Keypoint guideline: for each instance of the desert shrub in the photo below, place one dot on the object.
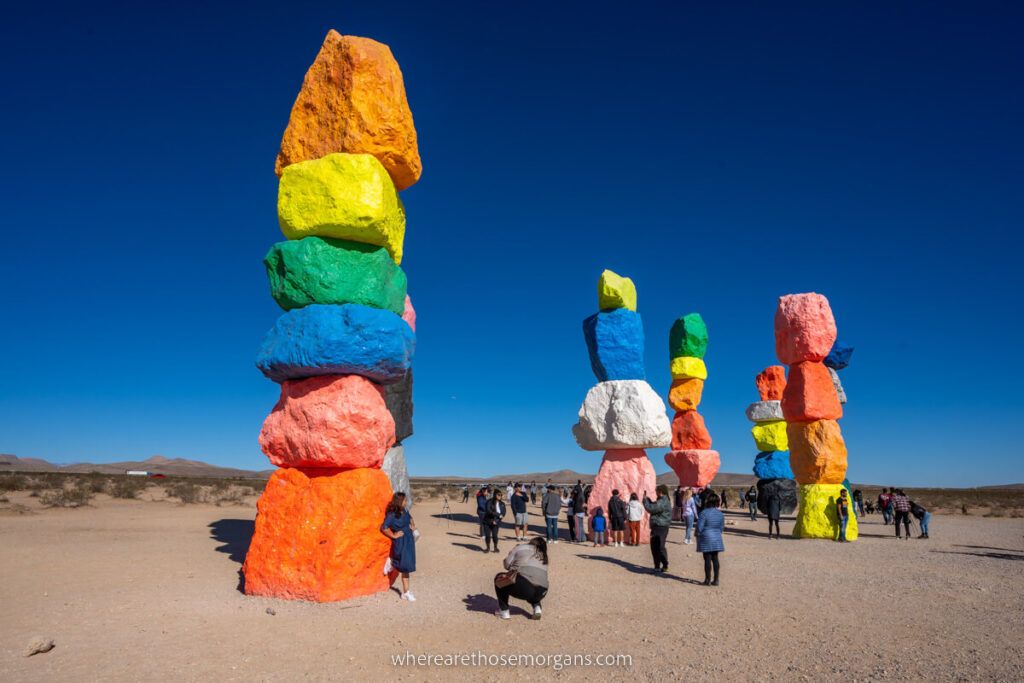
(4, 499)
(185, 491)
(219, 486)
(228, 497)
(67, 497)
(128, 487)
(95, 484)
(964, 510)
(13, 482)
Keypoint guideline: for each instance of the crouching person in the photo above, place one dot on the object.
(526, 577)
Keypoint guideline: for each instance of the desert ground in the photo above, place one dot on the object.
(148, 588)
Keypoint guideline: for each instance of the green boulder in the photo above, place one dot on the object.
(688, 337)
(323, 270)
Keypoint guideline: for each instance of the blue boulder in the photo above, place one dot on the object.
(839, 357)
(774, 465)
(326, 339)
(615, 340)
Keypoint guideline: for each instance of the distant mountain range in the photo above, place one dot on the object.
(179, 467)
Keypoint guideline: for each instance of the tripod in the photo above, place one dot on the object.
(446, 511)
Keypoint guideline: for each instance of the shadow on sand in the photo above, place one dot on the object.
(992, 555)
(235, 535)
(638, 569)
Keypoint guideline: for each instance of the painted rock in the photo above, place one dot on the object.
(398, 398)
(622, 414)
(346, 196)
(321, 270)
(337, 340)
(398, 474)
(785, 489)
(685, 394)
(337, 421)
(353, 100)
(817, 452)
(770, 436)
(629, 471)
(771, 383)
(804, 328)
(839, 357)
(810, 394)
(688, 367)
(764, 411)
(773, 465)
(817, 516)
(317, 536)
(838, 385)
(615, 291)
(689, 432)
(695, 468)
(409, 313)
(688, 337)
(615, 340)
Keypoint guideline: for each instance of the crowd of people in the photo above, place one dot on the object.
(616, 522)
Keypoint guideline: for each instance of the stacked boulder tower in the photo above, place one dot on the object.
(621, 415)
(771, 466)
(691, 456)
(805, 332)
(342, 349)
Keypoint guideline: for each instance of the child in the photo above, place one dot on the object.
(634, 513)
(597, 525)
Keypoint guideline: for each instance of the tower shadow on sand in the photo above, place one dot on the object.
(235, 535)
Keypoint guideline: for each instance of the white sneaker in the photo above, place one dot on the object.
(387, 566)
(409, 596)
(502, 614)
(536, 612)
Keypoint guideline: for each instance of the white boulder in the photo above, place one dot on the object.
(838, 385)
(394, 466)
(624, 413)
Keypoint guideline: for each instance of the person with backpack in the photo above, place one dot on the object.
(492, 518)
(617, 518)
(551, 505)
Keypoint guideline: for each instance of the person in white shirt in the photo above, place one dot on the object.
(634, 513)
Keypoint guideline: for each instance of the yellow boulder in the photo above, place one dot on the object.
(770, 436)
(615, 291)
(688, 367)
(346, 196)
(817, 516)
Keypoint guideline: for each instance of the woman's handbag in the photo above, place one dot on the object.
(505, 579)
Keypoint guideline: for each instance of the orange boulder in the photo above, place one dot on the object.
(771, 383)
(810, 394)
(689, 432)
(353, 100)
(685, 394)
(318, 536)
(329, 421)
(817, 452)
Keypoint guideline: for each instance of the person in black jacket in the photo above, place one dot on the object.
(481, 508)
(492, 519)
(520, 518)
(617, 518)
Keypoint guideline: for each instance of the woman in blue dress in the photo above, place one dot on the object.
(399, 527)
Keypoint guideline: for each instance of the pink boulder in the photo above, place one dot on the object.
(694, 467)
(329, 421)
(804, 328)
(630, 471)
(409, 314)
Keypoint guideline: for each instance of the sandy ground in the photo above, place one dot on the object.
(134, 590)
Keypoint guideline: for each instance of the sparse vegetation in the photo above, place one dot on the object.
(126, 487)
(69, 496)
(13, 482)
(185, 491)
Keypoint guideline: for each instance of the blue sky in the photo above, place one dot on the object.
(719, 154)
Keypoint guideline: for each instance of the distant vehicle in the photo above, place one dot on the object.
(158, 476)
(137, 473)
